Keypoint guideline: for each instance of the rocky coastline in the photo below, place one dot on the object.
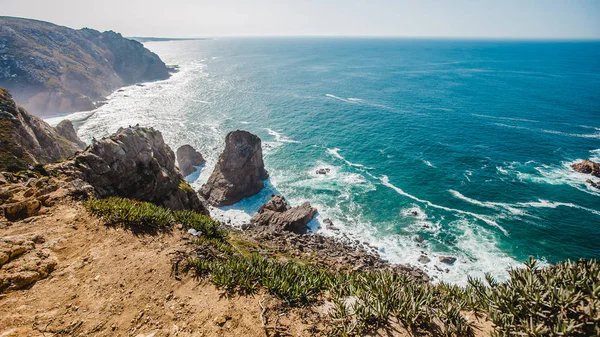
(136, 163)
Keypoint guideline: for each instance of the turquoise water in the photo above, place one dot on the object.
(466, 143)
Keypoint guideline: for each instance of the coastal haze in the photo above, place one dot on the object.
(465, 145)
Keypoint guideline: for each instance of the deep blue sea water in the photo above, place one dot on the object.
(466, 143)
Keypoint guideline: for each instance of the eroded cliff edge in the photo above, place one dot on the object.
(50, 68)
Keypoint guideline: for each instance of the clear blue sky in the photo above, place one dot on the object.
(548, 19)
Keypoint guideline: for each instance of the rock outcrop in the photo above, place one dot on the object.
(278, 215)
(587, 167)
(26, 139)
(51, 68)
(187, 158)
(240, 171)
(23, 261)
(136, 163)
(66, 129)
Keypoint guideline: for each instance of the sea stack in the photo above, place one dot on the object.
(66, 129)
(188, 158)
(240, 171)
(278, 215)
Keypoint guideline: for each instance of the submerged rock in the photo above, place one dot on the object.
(587, 167)
(593, 184)
(280, 216)
(136, 163)
(240, 171)
(323, 170)
(187, 158)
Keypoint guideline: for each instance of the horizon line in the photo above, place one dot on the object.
(207, 37)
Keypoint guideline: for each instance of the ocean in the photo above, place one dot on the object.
(465, 143)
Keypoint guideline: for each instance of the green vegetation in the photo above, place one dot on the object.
(183, 185)
(140, 215)
(559, 300)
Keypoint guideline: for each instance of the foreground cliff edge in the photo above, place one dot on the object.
(53, 69)
(79, 256)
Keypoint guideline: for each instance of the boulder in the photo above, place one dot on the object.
(587, 167)
(187, 158)
(66, 129)
(21, 209)
(447, 259)
(240, 171)
(424, 259)
(278, 215)
(323, 170)
(136, 163)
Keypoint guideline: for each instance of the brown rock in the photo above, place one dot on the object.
(279, 215)
(593, 184)
(22, 262)
(447, 259)
(21, 210)
(587, 167)
(240, 171)
(66, 129)
(187, 158)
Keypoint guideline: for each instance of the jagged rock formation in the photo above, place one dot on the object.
(187, 158)
(26, 139)
(136, 163)
(278, 215)
(66, 129)
(240, 171)
(587, 167)
(51, 68)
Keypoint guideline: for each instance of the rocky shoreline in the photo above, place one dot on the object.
(136, 163)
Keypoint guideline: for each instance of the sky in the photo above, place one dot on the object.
(516, 19)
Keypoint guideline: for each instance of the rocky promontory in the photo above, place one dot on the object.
(27, 140)
(187, 158)
(50, 68)
(239, 172)
(135, 163)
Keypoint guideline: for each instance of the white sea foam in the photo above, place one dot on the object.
(279, 137)
(385, 181)
(555, 132)
(489, 204)
(336, 153)
(554, 204)
(347, 100)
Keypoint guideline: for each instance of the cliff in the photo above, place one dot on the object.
(51, 68)
(26, 139)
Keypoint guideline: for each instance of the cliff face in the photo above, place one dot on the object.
(51, 68)
(26, 139)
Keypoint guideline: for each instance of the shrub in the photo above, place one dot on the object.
(136, 214)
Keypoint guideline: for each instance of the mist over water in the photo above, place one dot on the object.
(465, 143)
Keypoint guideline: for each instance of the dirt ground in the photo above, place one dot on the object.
(112, 282)
(96, 280)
